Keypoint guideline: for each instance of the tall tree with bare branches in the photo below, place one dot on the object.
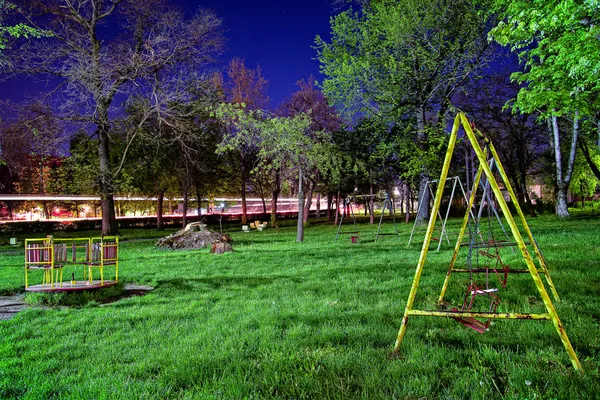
(101, 51)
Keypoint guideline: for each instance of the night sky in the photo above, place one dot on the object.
(277, 35)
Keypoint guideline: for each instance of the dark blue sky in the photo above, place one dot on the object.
(277, 35)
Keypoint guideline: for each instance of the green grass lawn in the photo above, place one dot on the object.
(313, 320)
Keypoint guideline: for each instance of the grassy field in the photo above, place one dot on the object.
(278, 319)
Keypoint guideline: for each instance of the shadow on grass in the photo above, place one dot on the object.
(218, 282)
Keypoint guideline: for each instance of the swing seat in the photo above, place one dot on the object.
(472, 323)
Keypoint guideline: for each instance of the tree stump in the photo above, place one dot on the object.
(220, 248)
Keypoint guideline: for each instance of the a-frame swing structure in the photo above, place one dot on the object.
(348, 204)
(387, 205)
(455, 180)
(469, 317)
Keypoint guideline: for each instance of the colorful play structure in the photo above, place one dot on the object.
(79, 256)
(481, 300)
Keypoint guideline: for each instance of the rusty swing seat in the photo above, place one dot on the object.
(470, 322)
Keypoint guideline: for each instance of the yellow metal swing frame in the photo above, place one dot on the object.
(534, 271)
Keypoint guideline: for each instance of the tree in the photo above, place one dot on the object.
(246, 87)
(395, 59)
(181, 139)
(31, 146)
(94, 69)
(283, 142)
(518, 138)
(368, 149)
(557, 42)
(309, 100)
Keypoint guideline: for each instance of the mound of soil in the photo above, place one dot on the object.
(196, 236)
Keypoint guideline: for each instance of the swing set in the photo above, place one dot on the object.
(387, 205)
(478, 290)
(349, 205)
(456, 182)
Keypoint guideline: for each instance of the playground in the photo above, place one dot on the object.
(319, 319)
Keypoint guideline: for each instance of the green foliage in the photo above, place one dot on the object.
(558, 43)
(16, 30)
(584, 182)
(281, 141)
(395, 56)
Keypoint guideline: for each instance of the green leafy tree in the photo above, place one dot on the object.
(283, 142)
(309, 100)
(557, 42)
(403, 60)
(584, 183)
(245, 87)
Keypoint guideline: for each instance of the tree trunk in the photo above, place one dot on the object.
(107, 202)
(588, 158)
(243, 193)
(184, 219)
(264, 204)
(300, 233)
(275, 197)
(308, 202)
(408, 204)
(563, 181)
(562, 209)
(337, 208)
(371, 205)
(160, 224)
(329, 205)
(423, 212)
(318, 205)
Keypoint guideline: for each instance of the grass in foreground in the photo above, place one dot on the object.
(313, 320)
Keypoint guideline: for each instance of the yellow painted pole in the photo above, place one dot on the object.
(51, 251)
(490, 315)
(117, 259)
(461, 233)
(517, 235)
(429, 233)
(513, 197)
(26, 265)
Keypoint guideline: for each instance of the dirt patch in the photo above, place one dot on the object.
(196, 236)
(130, 290)
(11, 305)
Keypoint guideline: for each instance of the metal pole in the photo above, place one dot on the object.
(428, 235)
(447, 213)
